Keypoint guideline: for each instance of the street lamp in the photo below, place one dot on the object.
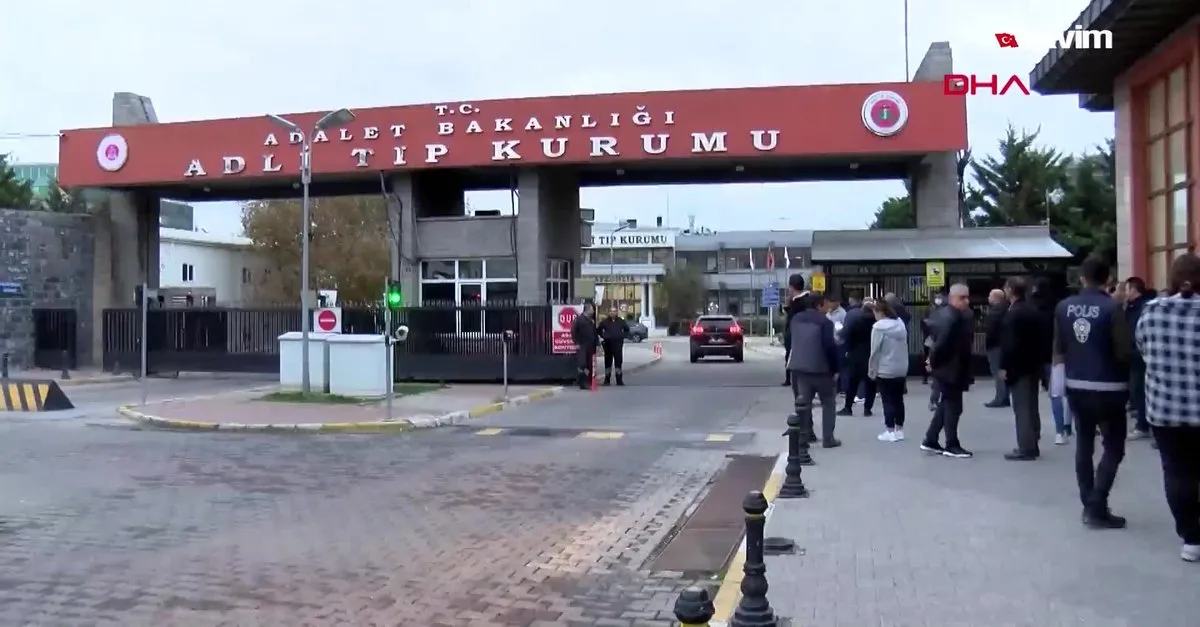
(612, 241)
(329, 120)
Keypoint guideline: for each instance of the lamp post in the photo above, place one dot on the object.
(329, 120)
(612, 242)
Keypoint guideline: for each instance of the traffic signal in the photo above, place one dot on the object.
(394, 297)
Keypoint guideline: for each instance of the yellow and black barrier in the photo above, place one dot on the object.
(32, 395)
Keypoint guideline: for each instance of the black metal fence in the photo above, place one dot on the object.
(54, 338)
(445, 343)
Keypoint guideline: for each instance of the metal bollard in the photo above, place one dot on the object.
(507, 341)
(694, 607)
(4, 366)
(66, 366)
(805, 438)
(754, 610)
(793, 484)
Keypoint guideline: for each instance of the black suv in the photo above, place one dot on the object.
(717, 335)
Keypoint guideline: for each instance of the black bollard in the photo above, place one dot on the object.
(804, 435)
(66, 366)
(793, 485)
(754, 610)
(694, 607)
(4, 366)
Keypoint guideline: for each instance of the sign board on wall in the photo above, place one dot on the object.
(634, 238)
(561, 319)
(327, 320)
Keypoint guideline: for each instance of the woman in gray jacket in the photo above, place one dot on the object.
(888, 367)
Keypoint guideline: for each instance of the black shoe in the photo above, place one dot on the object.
(621, 381)
(868, 413)
(846, 412)
(1102, 520)
(831, 443)
(607, 381)
(996, 404)
(932, 447)
(813, 439)
(957, 452)
(1019, 456)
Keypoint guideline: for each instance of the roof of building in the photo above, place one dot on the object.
(1137, 26)
(742, 239)
(1009, 242)
(180, 236)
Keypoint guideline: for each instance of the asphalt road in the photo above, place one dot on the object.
(441, 528)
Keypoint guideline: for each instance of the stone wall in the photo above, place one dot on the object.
(49, 258)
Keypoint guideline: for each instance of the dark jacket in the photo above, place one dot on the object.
(613, 330)
(950, 355)
(1133, 311)
(927, 323)
(813, 348)
(1092, 341)
(856, 337)
(1043, 303)
(797, 304)
(901, 311)
(992, 325)
(1023, 341)
(584, 333)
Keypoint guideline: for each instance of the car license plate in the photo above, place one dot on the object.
(717, 340)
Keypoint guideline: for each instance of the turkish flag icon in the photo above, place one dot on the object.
(1007, 40)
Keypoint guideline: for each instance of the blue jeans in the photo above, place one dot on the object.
(1059, 409)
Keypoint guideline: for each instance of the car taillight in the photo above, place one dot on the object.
(698, 330)
(735, 329)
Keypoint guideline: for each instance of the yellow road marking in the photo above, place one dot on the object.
(719, 437)
(27, 393)
(490, 431)
(601, 435)
(729, 592)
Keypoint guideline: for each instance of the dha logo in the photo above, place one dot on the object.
(1078, 37)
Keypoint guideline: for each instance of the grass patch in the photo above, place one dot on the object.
(409, 389)
(311, 397)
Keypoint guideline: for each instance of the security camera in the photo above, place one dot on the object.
(509, 335)
(401, 333)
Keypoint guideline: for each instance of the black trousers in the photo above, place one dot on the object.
(1179, 448)
(1026, 412)
(614, 357)
(891, 395)
(859, 379)
(584, 359)
(1104, 411)
(945, 417)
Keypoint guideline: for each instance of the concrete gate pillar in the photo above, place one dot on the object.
(933, 183)
(416, 195)
(548, 227)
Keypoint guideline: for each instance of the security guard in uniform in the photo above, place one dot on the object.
(1091, 339)
(585, 335)
(613, 331)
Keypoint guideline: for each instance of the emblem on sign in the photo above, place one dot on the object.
(112, 153)
(884, 113)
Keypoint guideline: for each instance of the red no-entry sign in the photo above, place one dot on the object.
(566, 317)
(328, 320)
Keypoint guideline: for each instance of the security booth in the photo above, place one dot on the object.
(917, 264)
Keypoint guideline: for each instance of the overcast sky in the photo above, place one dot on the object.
(225, 58)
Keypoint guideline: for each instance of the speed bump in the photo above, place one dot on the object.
(32, 395)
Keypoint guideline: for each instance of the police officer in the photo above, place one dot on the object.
(1091, 339)
(613, 331)
(585, 336)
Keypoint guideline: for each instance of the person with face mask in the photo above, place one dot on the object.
(585, 336)
(949, 365)
(613, 331)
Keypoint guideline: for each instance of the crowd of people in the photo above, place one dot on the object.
(1105, 355)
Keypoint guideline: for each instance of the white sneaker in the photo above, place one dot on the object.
(1190, 553)
(886, 436)
(1060, 439)
(898, 434)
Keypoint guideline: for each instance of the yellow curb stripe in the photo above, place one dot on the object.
(492, 431)
(719, 437)
(484, 410)
(601, 435)
(729, 592)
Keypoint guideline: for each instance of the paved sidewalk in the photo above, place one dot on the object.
(892, 536)
(88, 376)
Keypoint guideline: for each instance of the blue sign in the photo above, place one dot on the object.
(770, 295)
(916, 282)
(11, 288)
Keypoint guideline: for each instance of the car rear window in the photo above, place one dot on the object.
(717, 321)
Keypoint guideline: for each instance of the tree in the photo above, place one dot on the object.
(1083, 216)
(60, 200)
(1014, 186)
(895, 213)
(684, 292)
(348, 251)
(15, 193)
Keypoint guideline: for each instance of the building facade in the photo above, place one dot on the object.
(213, 270)
(627, 264)
(39, 175)
(1153, 88)
(739, 265)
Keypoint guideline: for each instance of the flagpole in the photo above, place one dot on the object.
(907, 75)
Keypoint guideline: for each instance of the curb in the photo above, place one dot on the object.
(729, 592)
(379, 426)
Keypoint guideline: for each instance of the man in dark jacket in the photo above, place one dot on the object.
(797, 302)
(813, 364)
(950, 366)
(1022, 345)
(899, 308)
(1136, 297)
(613, 331)
(992, 324)
(585, 335)
(856, 342)
(937, 302)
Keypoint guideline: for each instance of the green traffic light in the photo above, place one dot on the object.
(394, 298)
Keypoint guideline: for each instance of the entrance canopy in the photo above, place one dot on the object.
(818, 132)
(1009, 242)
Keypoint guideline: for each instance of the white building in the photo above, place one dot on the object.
(214, 269)
(629, 262)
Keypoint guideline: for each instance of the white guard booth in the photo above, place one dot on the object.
(358, 365)
(291, 373)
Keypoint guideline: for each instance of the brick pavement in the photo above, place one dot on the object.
(981, 542)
